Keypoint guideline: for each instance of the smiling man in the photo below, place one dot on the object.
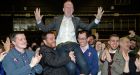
(66, 27)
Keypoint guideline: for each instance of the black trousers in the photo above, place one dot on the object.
(64, 49)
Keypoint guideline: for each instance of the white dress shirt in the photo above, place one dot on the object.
(66, 31)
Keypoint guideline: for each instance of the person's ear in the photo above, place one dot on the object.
(88, 39)
(45, 42)
(13, 42)
(63, 9)
(73, 10)
(108, 42)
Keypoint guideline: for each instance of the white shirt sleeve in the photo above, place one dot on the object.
(38, 22)
(96, 21)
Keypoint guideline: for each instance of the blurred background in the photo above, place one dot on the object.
(119, 17)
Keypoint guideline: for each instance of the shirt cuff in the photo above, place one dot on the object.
(38, 22)
(96, 21)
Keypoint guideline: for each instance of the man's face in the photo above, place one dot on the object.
(50, 40)
(114, 42)
(125, 44)
(82, 39)
(132, 44)
(20, 41)
(68, 9)
(103, 46)
(98, 45)
(91, 40)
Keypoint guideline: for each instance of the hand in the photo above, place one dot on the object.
(2, 55)
(137, 63)
(108, 56)
(99, 13)
(37, 51)
(125, 56)
(71, 55)
(6, 44)
(38, 17)
(35, 59)
(103, 56)
(97, 36)
(132, 33)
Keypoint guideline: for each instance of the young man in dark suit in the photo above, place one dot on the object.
(52, 62)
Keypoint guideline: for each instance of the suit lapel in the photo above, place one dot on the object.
(59, 20)
(74, 22)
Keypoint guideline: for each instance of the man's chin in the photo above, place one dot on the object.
(53, 46)
(114, 48)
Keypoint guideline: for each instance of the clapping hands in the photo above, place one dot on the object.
(36, 59)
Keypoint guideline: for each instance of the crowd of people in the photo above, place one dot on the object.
(70, 51)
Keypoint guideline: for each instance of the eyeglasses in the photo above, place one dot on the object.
(82, 38)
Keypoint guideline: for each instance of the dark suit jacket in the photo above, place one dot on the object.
(14, 65)
(52, 63)
(55, 25)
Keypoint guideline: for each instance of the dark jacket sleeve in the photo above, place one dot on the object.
(53, 59)
(38, 69)
(137, 73)
(10, 68)
(126, 73)
(46, 28)
(86, 26)
(137, 38)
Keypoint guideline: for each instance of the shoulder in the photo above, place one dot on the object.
(9, 57)
(10, 53)
(45, 49)
(92, 48)
(76, 18)
(58, 17)
(118, 55)
(30, 52)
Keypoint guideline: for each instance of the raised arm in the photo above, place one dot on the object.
(93, 23)
(99, 13)
(40, 24)
(6, 44)
(38, 17)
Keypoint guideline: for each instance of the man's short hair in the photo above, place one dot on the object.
(93, 36)
(113, 35)
(13, 35)
(67, 1)
(83, 31)
(46, 33)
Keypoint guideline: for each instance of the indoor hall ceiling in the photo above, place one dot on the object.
(81, 6)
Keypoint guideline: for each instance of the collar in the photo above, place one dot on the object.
(112, 51)
(68, 17)
(85, 48)
(18, 52)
